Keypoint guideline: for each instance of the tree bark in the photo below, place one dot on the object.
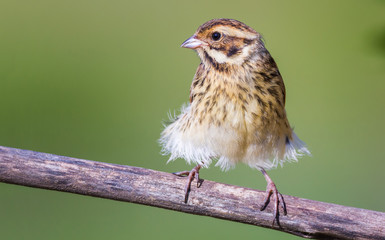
(305, 218)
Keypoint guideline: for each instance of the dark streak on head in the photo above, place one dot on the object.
(259, 89)
(207, 103)
(274, 74)
(240, 97)
(273, 92)
(280, 102)
(223, 68)
(260, 101)
(265, 77)
(232, 51)
(270, 60)
(221, 48)
(242, 88)
(198, 99)
(225, 22)
(279, 115)
(195, 83)
(216, 65)
(248, 41)
(211, 60)
(202, 82)
(208, 87)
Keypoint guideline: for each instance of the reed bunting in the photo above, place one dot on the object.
(237, 111)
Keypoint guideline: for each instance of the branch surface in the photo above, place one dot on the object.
(306, 218)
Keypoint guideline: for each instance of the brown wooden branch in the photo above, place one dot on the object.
(306, 218)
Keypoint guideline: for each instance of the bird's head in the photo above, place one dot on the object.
(225, 41)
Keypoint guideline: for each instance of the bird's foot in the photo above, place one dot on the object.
(271, 190)
(194, 173)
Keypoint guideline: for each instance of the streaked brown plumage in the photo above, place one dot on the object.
(237, 107)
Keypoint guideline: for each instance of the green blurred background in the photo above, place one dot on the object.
(95, 79)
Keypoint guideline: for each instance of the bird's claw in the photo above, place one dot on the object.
(271, 190)
(194, 173)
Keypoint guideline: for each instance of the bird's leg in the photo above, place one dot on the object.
(194, 173)
(271, 189)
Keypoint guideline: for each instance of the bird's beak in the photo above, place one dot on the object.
(192, 43)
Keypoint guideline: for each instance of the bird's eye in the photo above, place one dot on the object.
(216, 36)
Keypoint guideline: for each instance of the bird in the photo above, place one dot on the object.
(236, 111)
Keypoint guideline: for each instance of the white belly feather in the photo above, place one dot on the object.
(229, 144)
